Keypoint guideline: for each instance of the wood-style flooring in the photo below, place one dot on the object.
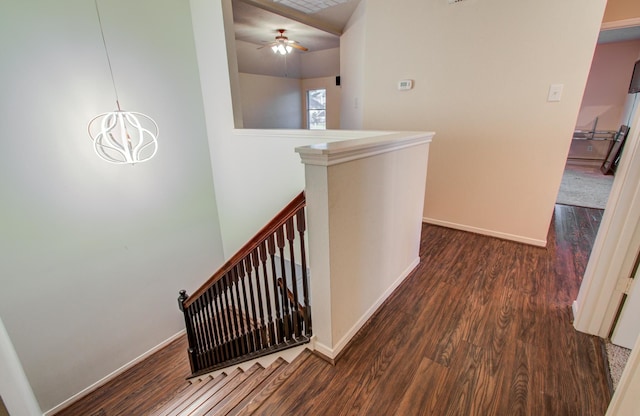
(481, 327)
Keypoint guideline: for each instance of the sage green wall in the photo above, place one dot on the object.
(92, 255)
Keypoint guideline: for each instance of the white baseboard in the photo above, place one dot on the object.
(332, 353)
(111, 376)
(490, 233)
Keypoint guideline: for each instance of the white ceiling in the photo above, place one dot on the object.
(259, 25)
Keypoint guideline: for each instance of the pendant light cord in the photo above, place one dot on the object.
(106, 51)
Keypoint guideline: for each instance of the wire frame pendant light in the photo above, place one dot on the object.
(122, 137)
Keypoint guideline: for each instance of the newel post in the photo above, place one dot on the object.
(183, 296)
(189, 328)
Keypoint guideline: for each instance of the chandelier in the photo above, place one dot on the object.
(119, 136)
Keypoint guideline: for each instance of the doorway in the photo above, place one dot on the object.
(606, 106)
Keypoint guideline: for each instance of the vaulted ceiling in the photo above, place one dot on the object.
(317, 28)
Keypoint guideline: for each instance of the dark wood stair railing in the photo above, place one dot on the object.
(247, 308)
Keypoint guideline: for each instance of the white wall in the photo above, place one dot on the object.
(319, 64)
(253, 59)
(271, 85)
(607, 87)
(270, 102)
(482, 71)
(333, 99)
(352, 68)
(92, 255)
(17, 395)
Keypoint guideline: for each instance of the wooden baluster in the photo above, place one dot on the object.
(205, 334)
(302, 227)
(195, 350)
(255, 261)
(242, 274)
(196, 326)
(236, 300)
(235, 350)
(222, 323)
(286, 316)
(202, 337)
(212, 326)
(189, 328)
(233, 284)
(251, 305)
(271, 246)
(202, 334)
(263, 261)
(291, 235)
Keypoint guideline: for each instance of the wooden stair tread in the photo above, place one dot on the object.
(207, 401)
(204, 393)
(238, 393)
(190, 391)
(251, 403)
(245, 389)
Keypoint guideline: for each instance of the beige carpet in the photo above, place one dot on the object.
(584, 186)
(617, 358)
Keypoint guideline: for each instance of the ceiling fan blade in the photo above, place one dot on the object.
(299, 47)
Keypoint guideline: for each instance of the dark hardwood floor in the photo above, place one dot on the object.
(140, 389)
(481, 327)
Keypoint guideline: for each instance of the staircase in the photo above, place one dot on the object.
(238, 392)
(257, 303)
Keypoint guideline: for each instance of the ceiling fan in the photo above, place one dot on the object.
(283, 45)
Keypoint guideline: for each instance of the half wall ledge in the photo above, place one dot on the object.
(328, 154)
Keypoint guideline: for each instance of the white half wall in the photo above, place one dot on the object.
(364, 229)
(92, 255)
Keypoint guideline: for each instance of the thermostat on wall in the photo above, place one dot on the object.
(405, 84)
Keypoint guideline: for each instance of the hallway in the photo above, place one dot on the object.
(481, 327)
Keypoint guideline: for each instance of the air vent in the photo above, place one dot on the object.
(310, 6)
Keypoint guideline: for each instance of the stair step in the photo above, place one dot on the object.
(191, 391)
(251, 403)
(207, 401)
(203, 394)
(246, 389)
(238, 393)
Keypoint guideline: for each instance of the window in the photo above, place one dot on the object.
(317, 109)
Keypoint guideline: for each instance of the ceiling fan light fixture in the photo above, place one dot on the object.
(281, 49)
(289, 48)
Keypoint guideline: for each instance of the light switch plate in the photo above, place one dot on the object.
(555, 92)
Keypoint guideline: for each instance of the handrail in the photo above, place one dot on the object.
(277, 221)
(257, 302)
